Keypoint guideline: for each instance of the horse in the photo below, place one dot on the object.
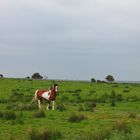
(49, 95)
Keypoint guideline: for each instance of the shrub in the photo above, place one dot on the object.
(115, 85)
(103, 98)
(113, 102)
(8, 115)
(81, 108)
(76, 118)
(89, 106)
(125, 90)
(1, 114)
(119, 97)
(45, 134)
(2, 101)
(78, 90)
(64, 98)
(39, 114)
(133, 99)
(132, 115)
(16, 96)
(78, 99)
(27, 106)
(121, 125)
(100, 134)
(60, 107)
(113, 94)
(21, 106)
(33, 135)
(91, 92)
(50, 135)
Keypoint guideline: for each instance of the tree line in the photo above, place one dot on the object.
(108, 78)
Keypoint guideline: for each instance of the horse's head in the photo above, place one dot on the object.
(56, 87)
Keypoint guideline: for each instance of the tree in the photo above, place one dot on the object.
(93, 80)
(37, 76)
(110, 78)
(1, 76)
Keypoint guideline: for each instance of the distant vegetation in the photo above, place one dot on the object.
(1, 75)
(110, 78)
(37, 76)
(83, 111)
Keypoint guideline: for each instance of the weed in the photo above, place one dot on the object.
(125, 90)
(100, 134)
(45, 134)
(60, 107)
(89, 106)
(76, 118)
(132, 115)
(121, 125)
(113, 102)
(81, 108)
(39, 114)
(8, 115)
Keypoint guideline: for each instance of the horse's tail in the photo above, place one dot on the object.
(35, 97)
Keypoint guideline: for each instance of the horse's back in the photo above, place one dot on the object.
(40, 92)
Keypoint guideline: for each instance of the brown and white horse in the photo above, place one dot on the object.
(49, 95)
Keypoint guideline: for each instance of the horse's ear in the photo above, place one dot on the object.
(55, 85)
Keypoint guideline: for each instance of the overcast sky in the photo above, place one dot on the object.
(70, 39)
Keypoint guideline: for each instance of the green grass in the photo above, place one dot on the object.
(98, 111)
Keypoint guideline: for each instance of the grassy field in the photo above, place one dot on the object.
(84, 111)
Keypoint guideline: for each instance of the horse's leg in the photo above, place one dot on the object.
(48, 106)
(52, 105)
(39, 104)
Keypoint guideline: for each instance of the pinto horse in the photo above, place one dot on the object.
(49, 95)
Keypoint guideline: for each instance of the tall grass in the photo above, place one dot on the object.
(8, 115)
(45, 134)
(74, 118)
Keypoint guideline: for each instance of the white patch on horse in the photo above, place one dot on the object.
(46, 95)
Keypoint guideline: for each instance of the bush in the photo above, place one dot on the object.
(8, 115)
(16, 96)
(50, 135)
(27, 106)
(125, 90)
(132, 115)
(113, 94)
(119, 97)
(90, 106)
(113, 102)
(60, 107)
(115, 85)
(81, 108)
(33, 135)
(76, 118)
(100, 134)
(133, 99)
(45, 134)
(91, 92)
(20, 106)
(121, 125)
(39, 114)
(78, 90)
(64, 98)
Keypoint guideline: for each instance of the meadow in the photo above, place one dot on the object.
(83, 111)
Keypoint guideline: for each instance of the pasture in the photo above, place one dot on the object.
(83, 111)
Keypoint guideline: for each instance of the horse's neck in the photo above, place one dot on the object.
(53, 94)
